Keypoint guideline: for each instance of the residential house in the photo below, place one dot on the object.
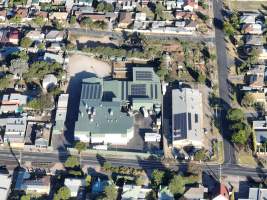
(60, 16)
(260, 129)
(55, 47)
(179, 4)
(187, 118)
(195, 193)
(74, 185)
(190, 5)
(22, 13)
(55, 36)
(11, 103)
(5, 185)
(84, 2)
(257, 194)
(170, 5)
(49, 81)
(248, 18)
(140, 16)
(221, 192)
(35, 35)
(15, 131)
(61, 113)
(255, 77)
(13, 36)
(125, 19)
(185, 15)
(253, 40)
(134, 192)
(37, 135)
(54, 57)
(59, 2)
(252, 29)
(25, 182)
(45, 1)
(165, 194)
(3, 14)
(42, 14)
(129, 5)
(100, 98)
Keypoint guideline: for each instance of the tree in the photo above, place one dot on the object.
(104, 7)
(62, 194)
(248, 100)
(111, 192)
(157, 178)
(240, 137)
(73, 19)
(4, 82)
(72, 162)
(80, 146)
(41, 103)
(88, 180)
(26, 197)
(200, 155)
(39, 21)
(86, 22)
(22, 55)
(159, 11)
(201, 78)
(177, 185)
(18, 66)
(235, 115)
(15, 20)
(228, 28)
(26, 42)
(41, 46)
(56, 23)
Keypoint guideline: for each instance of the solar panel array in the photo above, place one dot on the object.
(91, 91)
(144, 75)
(138, 89)
(179, 126)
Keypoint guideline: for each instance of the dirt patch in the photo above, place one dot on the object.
(101, 39)
(83, 63)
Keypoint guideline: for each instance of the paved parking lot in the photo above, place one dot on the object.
(141, 126)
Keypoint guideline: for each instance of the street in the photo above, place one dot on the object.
(7, 158)
(224, 92)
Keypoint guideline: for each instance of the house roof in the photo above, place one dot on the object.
(22, 12)
(221, 192)
(187, 114)
(5, 184)
(257, 193)
(134, 192)
(125, 17)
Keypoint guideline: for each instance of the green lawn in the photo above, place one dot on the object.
(245, 158)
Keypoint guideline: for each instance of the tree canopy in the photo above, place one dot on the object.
(72, 162)
(41, 103)
(111, 192)
(80, 146)
(177, 185)
(26, 42)
(240, 137)
(39, 21)
(157, 178)
(235, 115)
(104, 7)
(62, 194)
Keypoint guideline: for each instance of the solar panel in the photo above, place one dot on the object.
(196, 118)
(179, 126)
(143, 75)
(138, 90)
(189, 121)
(151, 90)
(156, 91)
(91, 91)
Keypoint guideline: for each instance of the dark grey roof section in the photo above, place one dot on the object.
(144, 75)
(122, 90)
(156, 91)
(180, 126)
(189, 122)
(151, 91)
(196, 118)
(138, 89)
(91, 91)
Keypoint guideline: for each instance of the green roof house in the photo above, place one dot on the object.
(101, 119)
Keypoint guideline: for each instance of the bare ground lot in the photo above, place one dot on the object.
(80, 63)
(246, 5)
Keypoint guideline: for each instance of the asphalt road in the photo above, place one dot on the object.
(7, 158)
(224, 91)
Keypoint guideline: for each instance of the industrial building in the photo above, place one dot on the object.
(187, 118)
(101, 119)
